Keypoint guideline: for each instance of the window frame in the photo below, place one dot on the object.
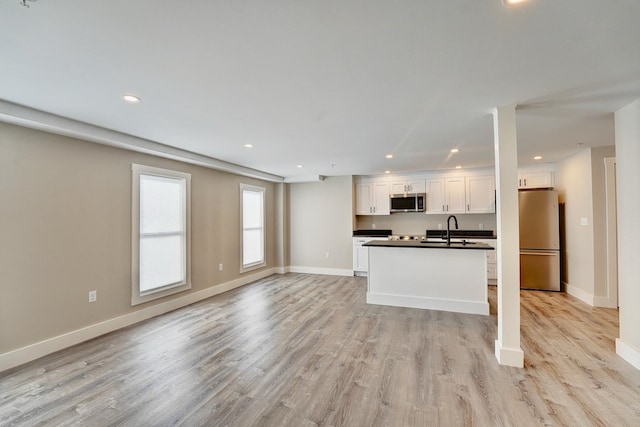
(258, 264)
(138, 297)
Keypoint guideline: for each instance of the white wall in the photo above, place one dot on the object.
(627, 128)
(320, 222)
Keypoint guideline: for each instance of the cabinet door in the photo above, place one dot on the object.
(435, 196)
(360, 255)
(535, 180)
(480, 194)
(381, 203)
(399, 187)
(364, 199)
(454, 189)
(416, 186)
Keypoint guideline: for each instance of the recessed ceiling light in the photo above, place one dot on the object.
(248, 145)
(389, 156)
(454, 150)
(299, 166)
(458, 167)
(387, 171)
(537, 158)
(131, 98)
(512, 2)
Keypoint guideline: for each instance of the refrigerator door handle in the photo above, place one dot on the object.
(540, 253)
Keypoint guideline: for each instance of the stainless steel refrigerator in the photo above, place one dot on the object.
(539, 240)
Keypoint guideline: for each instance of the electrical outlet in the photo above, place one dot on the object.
(93, 296)
(326, 255)
(480, 226)
(439, 226)
(373, 226)
(584, 221)
(220, 267)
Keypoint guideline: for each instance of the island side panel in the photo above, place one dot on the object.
(437, 279)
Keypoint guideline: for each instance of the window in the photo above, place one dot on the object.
(160, 243)
(252, 207)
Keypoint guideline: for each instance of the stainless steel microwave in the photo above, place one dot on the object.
(407, 202)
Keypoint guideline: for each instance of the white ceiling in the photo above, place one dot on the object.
(332, 85)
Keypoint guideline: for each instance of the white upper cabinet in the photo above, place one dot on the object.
(455, 200)
(535, 179)
(435, 203)
(480, 194)
(372, 198)
(402, 186)
(450, 192)
(460, 194)
(364, 199)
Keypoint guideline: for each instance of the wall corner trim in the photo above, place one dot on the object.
(34, 351)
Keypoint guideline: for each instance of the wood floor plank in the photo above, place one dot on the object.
(306, 350)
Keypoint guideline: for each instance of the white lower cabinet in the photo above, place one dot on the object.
(361, 254)
(492, 257)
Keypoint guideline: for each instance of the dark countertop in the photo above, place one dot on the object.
(462, 234)
(423, 244)
(372, 233)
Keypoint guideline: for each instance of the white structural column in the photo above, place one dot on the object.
(627, 128)
(508, 351)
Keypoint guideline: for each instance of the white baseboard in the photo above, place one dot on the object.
(321, 270)
(605, 302)
(469, 307)
(509, 356)
(34, 351)
(580, 294)
(628, 353)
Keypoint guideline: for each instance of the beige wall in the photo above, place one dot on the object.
(580, 180)
(627, 125)
(573, 182)
(320, 222)
(600, 218)
(66, 230)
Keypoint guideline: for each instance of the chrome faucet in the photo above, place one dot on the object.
(449, 227)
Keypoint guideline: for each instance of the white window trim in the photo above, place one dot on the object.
(136, 296)
(259, 264)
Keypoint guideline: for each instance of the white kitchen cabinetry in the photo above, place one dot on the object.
(535, 179)
(480, 194)
(492, 256)
(455, 199)
(372, 198)
(460, 194)
(361, 254)
(435, 196)
(408, 186)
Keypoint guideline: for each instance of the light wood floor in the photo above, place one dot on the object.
(305, 350)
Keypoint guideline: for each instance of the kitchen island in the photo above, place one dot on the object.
(430, 275)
